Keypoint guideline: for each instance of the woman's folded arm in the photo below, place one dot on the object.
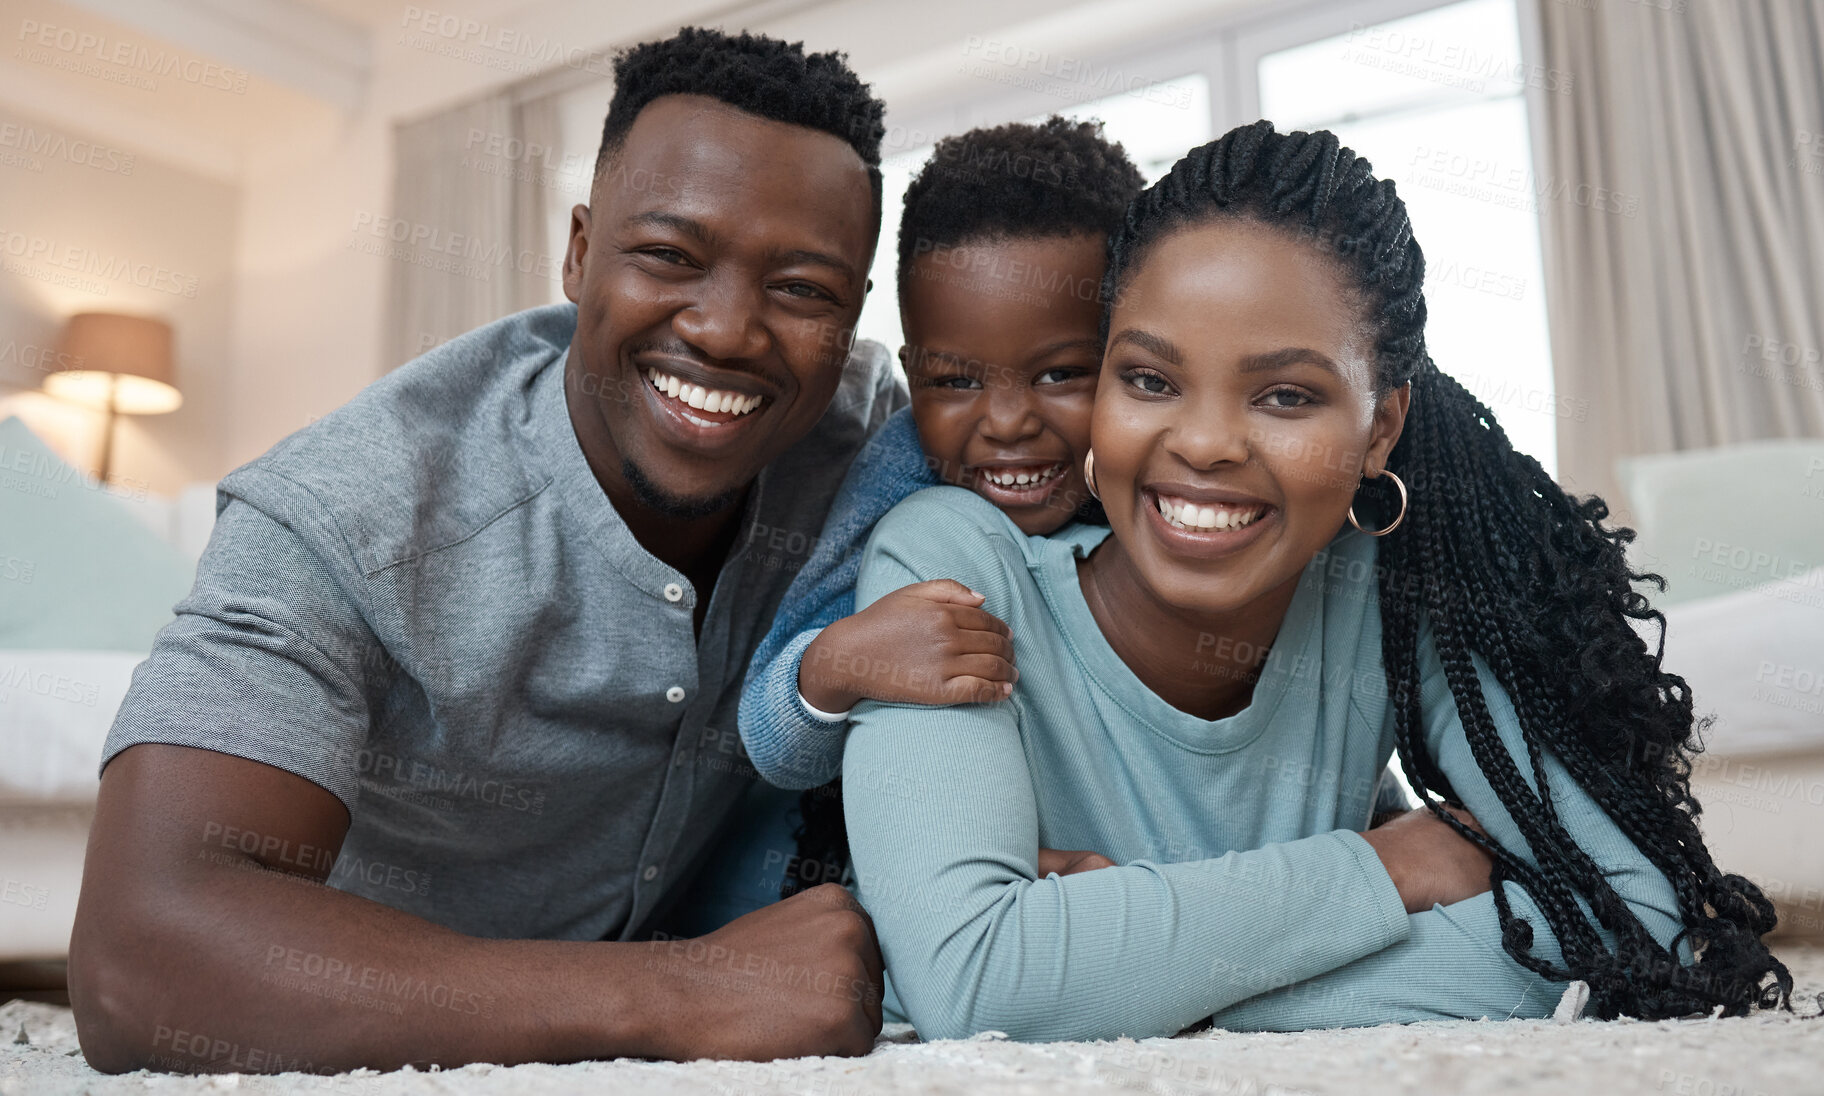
(1452, 964)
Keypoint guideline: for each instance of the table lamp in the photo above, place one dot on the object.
(118, 364)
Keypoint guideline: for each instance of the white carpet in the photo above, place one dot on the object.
(1767, 1054)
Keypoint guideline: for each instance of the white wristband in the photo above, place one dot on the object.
(822, 716)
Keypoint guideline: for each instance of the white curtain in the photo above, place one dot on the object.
(1682, 206)
(472, 190)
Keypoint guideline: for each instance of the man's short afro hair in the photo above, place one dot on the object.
(1018, 181)
(760, 75)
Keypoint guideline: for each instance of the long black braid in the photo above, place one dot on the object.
(1508, 566)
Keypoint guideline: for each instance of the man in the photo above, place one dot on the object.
(469, 649)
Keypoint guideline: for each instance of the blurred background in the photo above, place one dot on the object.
(220, 219)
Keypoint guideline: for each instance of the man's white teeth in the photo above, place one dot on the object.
(703, 399)
(1025, 477)
(1189, 515)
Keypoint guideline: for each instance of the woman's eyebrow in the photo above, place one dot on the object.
(1156, 345)
(1278, 359)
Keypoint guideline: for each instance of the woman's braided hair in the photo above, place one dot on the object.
(1509, 567)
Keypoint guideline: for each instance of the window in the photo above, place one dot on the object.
(1436, 102)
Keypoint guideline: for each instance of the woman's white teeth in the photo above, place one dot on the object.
(1189, 515)
(1021, 477)
(703, 399)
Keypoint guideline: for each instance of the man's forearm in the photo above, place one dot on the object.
(245, 969)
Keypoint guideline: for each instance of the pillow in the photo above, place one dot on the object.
(1717, 521)
(55, 711)
(77, 571)
(1754, 659)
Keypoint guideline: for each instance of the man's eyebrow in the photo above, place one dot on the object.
(1155, 345)
(1279, 359)
(696, 230)
(814, 258)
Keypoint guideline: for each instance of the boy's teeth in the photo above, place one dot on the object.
(1022, 477)
(703, 399)
(1189, 515)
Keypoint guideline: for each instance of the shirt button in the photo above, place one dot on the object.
(675, 694)
(674, 592)
(651, 873)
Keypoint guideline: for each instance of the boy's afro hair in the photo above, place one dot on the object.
(1056, 178)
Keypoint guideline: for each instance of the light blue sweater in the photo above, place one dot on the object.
(1243, 890)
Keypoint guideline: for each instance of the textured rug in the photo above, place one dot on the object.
(1767, 1054)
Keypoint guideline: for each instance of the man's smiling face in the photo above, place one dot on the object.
(718, 275)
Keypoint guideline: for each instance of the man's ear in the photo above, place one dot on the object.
(869, 288)
(1389, 422)
(576, 252)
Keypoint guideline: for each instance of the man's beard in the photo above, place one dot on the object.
(656, 498)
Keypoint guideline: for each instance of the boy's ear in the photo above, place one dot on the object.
(869, 288)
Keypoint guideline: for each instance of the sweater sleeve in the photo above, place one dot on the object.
(944, 835)
(790, 747)
(1452, 965)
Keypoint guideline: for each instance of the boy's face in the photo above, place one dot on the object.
(1002, 355)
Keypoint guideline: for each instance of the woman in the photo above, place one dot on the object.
(1209, 687)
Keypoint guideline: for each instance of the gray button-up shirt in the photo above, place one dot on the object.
(425, 604)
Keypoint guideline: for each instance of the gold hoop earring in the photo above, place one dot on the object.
(1089, 474)
(1401, 516)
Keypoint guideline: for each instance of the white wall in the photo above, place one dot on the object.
(68, 198)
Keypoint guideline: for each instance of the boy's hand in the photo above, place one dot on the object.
(928, 643)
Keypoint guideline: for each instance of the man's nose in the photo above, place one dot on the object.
(724, 321)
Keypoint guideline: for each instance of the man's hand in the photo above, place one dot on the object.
(799, 977)
(927, 643)
(1070, 861)
(1430, 863)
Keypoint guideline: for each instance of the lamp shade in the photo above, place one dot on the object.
(107, 358)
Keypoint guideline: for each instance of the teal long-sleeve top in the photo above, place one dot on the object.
(1243, 888)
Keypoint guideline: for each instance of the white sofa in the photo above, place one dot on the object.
(1738, 533)
(55, 710)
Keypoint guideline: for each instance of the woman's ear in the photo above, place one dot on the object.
(1384, 434)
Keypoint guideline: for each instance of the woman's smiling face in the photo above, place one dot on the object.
(1236, 412)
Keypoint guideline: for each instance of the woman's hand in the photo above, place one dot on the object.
(1070, 861)
(927, 643)
(1430, 863)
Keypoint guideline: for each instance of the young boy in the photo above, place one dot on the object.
(1002, 247)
